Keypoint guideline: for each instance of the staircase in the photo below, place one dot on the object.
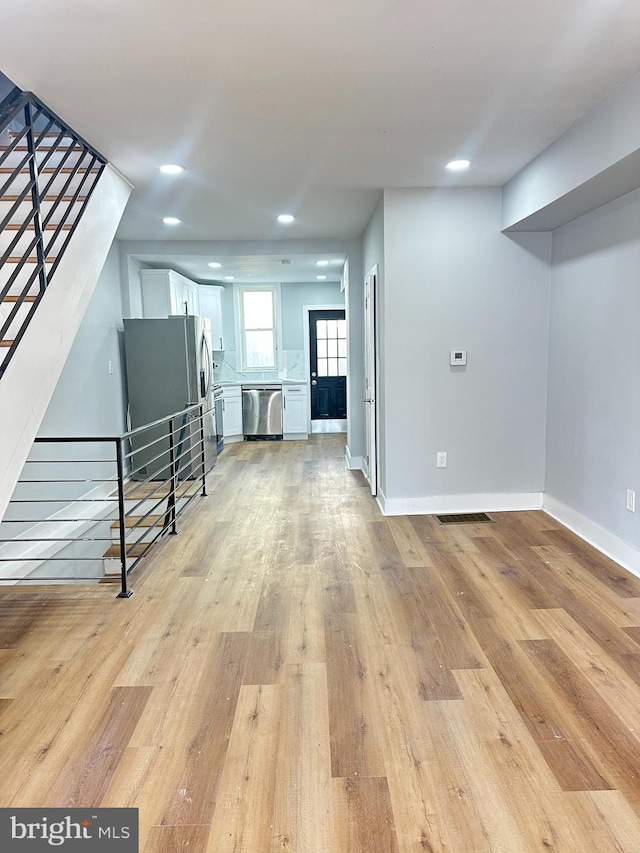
(60, 206)
(146, 515)
(47, 175)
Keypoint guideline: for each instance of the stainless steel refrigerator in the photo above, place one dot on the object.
(170, 367)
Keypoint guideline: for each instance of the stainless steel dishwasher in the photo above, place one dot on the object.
(262, 411)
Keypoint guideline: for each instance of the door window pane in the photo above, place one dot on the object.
(331, 347)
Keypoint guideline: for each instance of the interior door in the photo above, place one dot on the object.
(370, 382)
(328, 364)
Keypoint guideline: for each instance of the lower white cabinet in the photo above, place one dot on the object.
(232, 412)
(294, 411)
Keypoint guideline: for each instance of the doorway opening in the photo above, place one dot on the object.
(328, 369)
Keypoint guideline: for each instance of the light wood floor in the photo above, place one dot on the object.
(297, 673)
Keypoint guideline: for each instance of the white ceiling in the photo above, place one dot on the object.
(312, 106)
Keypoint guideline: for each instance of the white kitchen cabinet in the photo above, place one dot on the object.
(294, 411)
(211, 307)
(166, 293)
(232, 413)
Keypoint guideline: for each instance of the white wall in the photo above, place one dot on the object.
(452, 280)
(88, 400)
(30, 378)
(593, 446)
(294, 296)
(595, 161)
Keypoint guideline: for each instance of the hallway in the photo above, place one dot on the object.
(296, 672)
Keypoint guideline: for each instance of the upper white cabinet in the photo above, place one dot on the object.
(211, 306)
(166, 293)
(294, 411)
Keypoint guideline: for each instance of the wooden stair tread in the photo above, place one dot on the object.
(12, 298)
(131, 521)
(5, 344)
(140, 491)
(30, 260)
(23, 148)
(49, 227)
(50, 170)
(49, 197)
(113, 552)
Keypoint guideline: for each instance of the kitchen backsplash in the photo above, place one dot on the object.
(226, 370)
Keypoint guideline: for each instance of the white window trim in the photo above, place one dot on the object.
(238, 290)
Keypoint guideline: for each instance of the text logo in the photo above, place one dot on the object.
(86, 830)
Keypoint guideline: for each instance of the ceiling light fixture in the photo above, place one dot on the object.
(322, 263)
(458, 165)
(321, 277)
(229, 278)
(215, 265)
(171, 169)
(286, 218)
(171, 220)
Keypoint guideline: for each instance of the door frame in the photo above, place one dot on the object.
(307, 349)
(372, 363)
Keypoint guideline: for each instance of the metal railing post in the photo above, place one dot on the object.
(125, 592)
(204, 473)
(171, 501)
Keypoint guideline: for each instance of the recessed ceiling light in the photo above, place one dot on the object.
(229, 278)
(171, 220)
(458, 165)
(171, 169)
(321, 277)
(215, 265)
(322, 263)
(286, 218)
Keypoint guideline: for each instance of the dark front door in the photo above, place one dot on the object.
(328, 364)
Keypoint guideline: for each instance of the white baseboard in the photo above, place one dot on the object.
(605, 541)
(432, 504)
(354, 463)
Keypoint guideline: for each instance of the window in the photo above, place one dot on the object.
(257, 321)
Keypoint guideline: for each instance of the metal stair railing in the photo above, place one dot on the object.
(47, 175)
(87, 509)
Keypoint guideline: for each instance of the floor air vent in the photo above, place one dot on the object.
(465, 518)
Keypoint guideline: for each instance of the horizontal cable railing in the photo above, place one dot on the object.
(47, 175)
(88, 509)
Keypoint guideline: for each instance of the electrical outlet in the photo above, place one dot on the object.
(441, 459)
(631, 500)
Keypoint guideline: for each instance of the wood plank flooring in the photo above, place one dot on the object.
(296, 672)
